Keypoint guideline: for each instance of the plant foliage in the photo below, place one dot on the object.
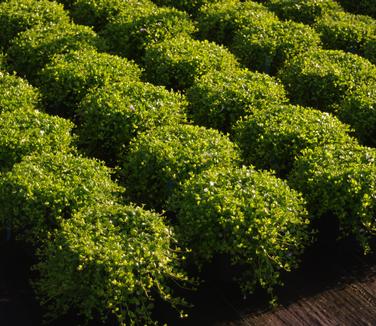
(340, 180)
(68, 77)
(303, 11)
(322, 78)
(265, 44)
(18, 15)
(218, 99)
(17, 93)
(272, 138)
(160, 160)
(45, 188)
(177, 62)
(128, 36)
(253, 217)
(111, 116)
(34, 48)
(109, 260)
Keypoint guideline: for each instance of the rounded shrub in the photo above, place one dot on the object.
(24, 131)
(17, 93)
(128, 35)
(45, 188)
(109, 260)
(365, 7)
(177, 62)
(272, 138)
(111, 116)
(322, 78)
(340, 180)
(33, 49)
(18, 15)
(359, 110)
(68, 77)
(303, 11)
(98, 13)
(160, 160)
(218, 21)
(347, 32)
(218, 99)
(252, 217)
(264, 44)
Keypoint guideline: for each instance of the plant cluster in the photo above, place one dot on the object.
(68, 77)
(111, 116)
(24, 131)
(99, 256)
(345, 31)
(218, 99)
(251, 216)
(129, 35)
(359, 110)
(273, 137)
(109, 260)
(218, 21)
(31, 50)
(255, 34)
(158, 161)
(176, 63)
(17, 94)
(322, 78)
(19, 15)
(303, 11)
(266, 44)
(45, 188)
(340, 180)
(98, 13)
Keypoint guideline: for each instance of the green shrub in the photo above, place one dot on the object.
(177, 62)
(159, 160)
(112, 115)
(68, 78)
(129, 35)
(344, 31)
(34, 48)
(109, 260)
(45, 188)
(322, 78)
(219, 99)
(24, 131)
(252, 217)
(303, 11)
(365, 7)
(18, 15)
(190, 6)
(370, 50)
(359, 110)
(17, 93)
(98, 13)
(264, 44)
(273, 137)
(340, 180)
(218, 21)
